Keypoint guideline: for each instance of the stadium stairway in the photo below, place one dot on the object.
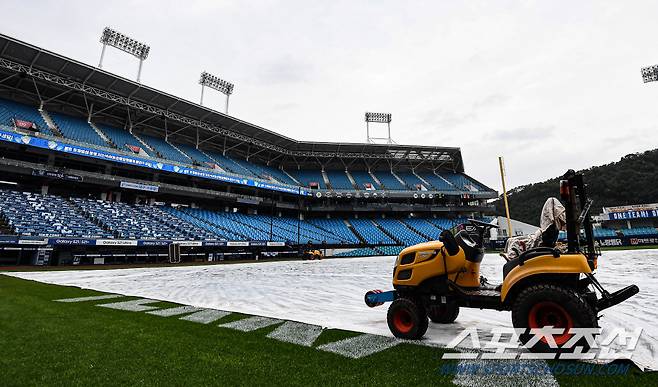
(158, 213)
(355, 232)
(258, 226)
(77, 129)
(422, 227)
(204, 219)
(404, 234)
(51, 123)
(387, 232)
(100, 133)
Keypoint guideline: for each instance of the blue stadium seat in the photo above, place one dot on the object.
(604, 233)
(445, 224)
(77, 129)
(307, 176)
(195, 154)
(277, 174)
(362, 178)
(370, 232)
(424, 228)
(461, 181)
(229, 165)
(437, 182)
(336, 227)
(413, 182)
(401, 232)
(164, 149)
(339, 180)
(121, 138)
(10, 110)
(31, 214)
(639, 231)
(390, 250)
(138, 222)
(389, 181)
(360, 252)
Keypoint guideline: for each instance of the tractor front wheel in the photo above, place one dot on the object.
(550, 305)
(407, 319)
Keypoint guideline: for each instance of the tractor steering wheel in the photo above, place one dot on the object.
(481, 228)
(480, 224)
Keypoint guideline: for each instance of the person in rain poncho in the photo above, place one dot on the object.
(552, 220)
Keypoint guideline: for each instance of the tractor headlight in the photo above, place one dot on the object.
(425, 255)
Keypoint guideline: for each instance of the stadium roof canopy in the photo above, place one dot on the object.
(31, 73)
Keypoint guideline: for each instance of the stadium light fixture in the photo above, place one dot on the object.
(218, 84)
(650, 74)
(126, 44)
(382, 118)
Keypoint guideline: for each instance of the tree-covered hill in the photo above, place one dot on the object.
(631, 180)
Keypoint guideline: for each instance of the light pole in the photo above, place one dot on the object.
(383, 118)
(126, 44)
(218, 84)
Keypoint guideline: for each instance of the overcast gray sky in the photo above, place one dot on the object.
(549, 85)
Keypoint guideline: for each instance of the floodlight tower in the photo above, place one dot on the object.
(650, 74)
(383, 118)
(124, 43)
(218, 84)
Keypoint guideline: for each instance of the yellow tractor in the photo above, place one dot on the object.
(542, 287)
(313, 255)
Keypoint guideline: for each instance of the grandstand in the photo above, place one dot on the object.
(631, 225)
(97, 168)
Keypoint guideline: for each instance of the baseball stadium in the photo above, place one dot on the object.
(146, 239)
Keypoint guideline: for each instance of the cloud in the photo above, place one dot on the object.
(492, 100)
(521, 135)
(286, 70)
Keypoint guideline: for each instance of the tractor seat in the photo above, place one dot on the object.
(509, 265)
(473, 252)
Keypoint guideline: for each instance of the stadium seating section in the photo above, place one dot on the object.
(370, 233)
(412, 181)
(401, 232)
(79, 130)
(388, 181)
(339, 180)
(32, 214)
(603, 233)
(362, 178)
(122, 138)
(10, 111)
(437, 182)
(164, 149)
(639, 231)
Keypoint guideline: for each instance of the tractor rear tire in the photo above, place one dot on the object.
(546, 304)
(444, 313)
(407, 319)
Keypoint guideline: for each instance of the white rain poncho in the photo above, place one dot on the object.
(553, 213)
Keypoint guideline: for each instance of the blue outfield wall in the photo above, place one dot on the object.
(145, 163)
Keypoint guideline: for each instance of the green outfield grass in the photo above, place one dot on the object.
(49, 343)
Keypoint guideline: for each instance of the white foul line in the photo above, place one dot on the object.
(91, 298)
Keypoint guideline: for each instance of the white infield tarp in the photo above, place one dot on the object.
(330, 293)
